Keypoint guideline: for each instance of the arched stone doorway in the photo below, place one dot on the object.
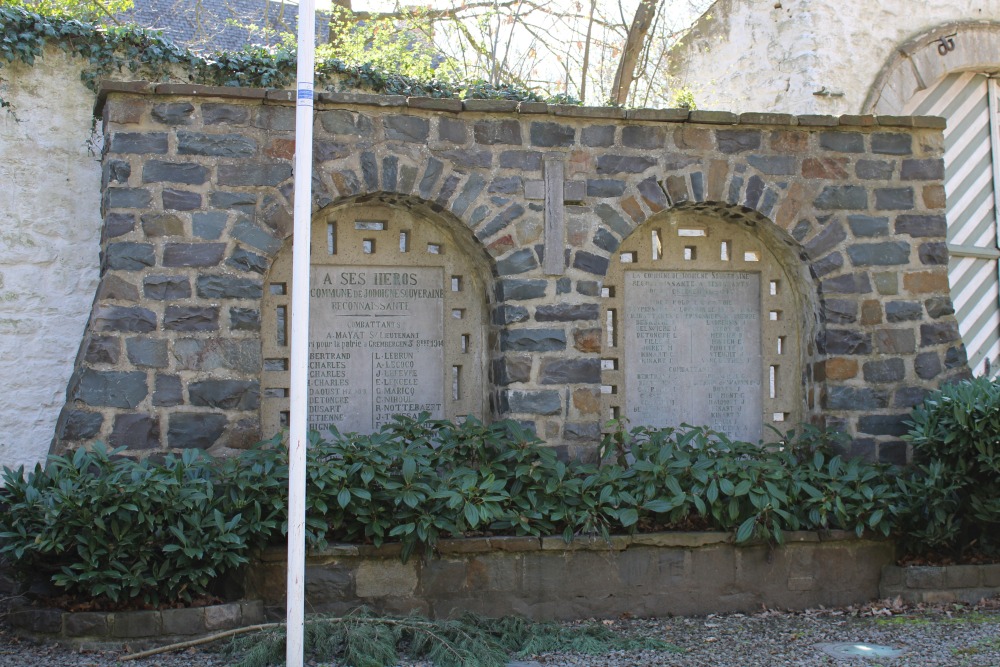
(397, 321)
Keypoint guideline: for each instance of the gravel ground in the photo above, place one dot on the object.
(940, 636)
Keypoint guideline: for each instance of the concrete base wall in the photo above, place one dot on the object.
(932, 585)
(642, 575)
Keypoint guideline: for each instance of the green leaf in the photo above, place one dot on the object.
(745, 531)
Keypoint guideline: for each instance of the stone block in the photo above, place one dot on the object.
(135, 624)
(45, 621)
(118, 224)
(855, 398)
(921, 225)
(180, 200)
(385, 578)
(223, 616)
(598, 136)
(840, 368)
(732, 142)
(115, 171)
(222, 286)
(874, 170)
(140, 143)
(840, 311)
(513, 289)
(509, 314)
(927, 365)
(167, 391)
(590, 263)
(647, 137)
(244, 319)
(500, 221)
(773, 165)
(183, 621)
(103, 350)
(518, 261)
(215, 145)
(566, 312)
(236, 354)
(841, 197)
(251, 175)
(550, 135)
(114, 389)
(605, 187)
(569, 371)
(188, 173)
(922, 170)
(842, 142)
(548, 402)
(127, 198)
(87, 624)
(903, 311)
(158, 224)
(493, 132)
(895, 341)
(523, 160)
(148, 352)
(246, 231)
(135, 431)
(166, 288)
(412, 129)
(532, 340)
(353, 124)
(587, 340)
(191, 318)
(893, 199)
(884, 370)
(926, 282)
(193, 254)
(194, 429)
(610, 217)
(225, 394)
(924, 577)
(990, 575)
(826, 240)
(80, 424)
(114, 287)
(845, 341)
(245, 260)
(227, 114)
(892, 143)
(244, 202)
(884, 424)
(934, 253)
(623, 164)
(132, 319)
(851, 283)
(938, 333)
(586, 432)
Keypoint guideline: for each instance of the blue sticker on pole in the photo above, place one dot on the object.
(305, 96)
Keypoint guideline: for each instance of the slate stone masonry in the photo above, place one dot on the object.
(197, 194)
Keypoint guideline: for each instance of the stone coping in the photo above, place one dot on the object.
(937, 584)
(146, 627)
(475, 545)
(512, 106)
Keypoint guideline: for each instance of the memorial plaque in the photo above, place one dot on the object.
(692, 350)
(375, 345)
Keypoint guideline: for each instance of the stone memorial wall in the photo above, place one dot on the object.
(557, 265)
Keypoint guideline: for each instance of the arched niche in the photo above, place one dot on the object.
(398, 320)
(708, 316)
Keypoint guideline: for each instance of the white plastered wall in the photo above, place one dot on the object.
(773, 55)
(50, 225)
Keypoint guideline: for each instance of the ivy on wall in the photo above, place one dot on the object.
(109, 51)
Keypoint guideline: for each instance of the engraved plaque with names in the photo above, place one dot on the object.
(375, 345)
(692, 350)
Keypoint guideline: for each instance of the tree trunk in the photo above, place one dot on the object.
(625, 76)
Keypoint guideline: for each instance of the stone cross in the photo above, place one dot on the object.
(556, 192)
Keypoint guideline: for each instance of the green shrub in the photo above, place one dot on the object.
(952, 497)
(107, 526)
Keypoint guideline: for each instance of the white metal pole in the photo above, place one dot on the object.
(297, 424)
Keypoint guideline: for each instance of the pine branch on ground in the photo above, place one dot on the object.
(363, 639)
